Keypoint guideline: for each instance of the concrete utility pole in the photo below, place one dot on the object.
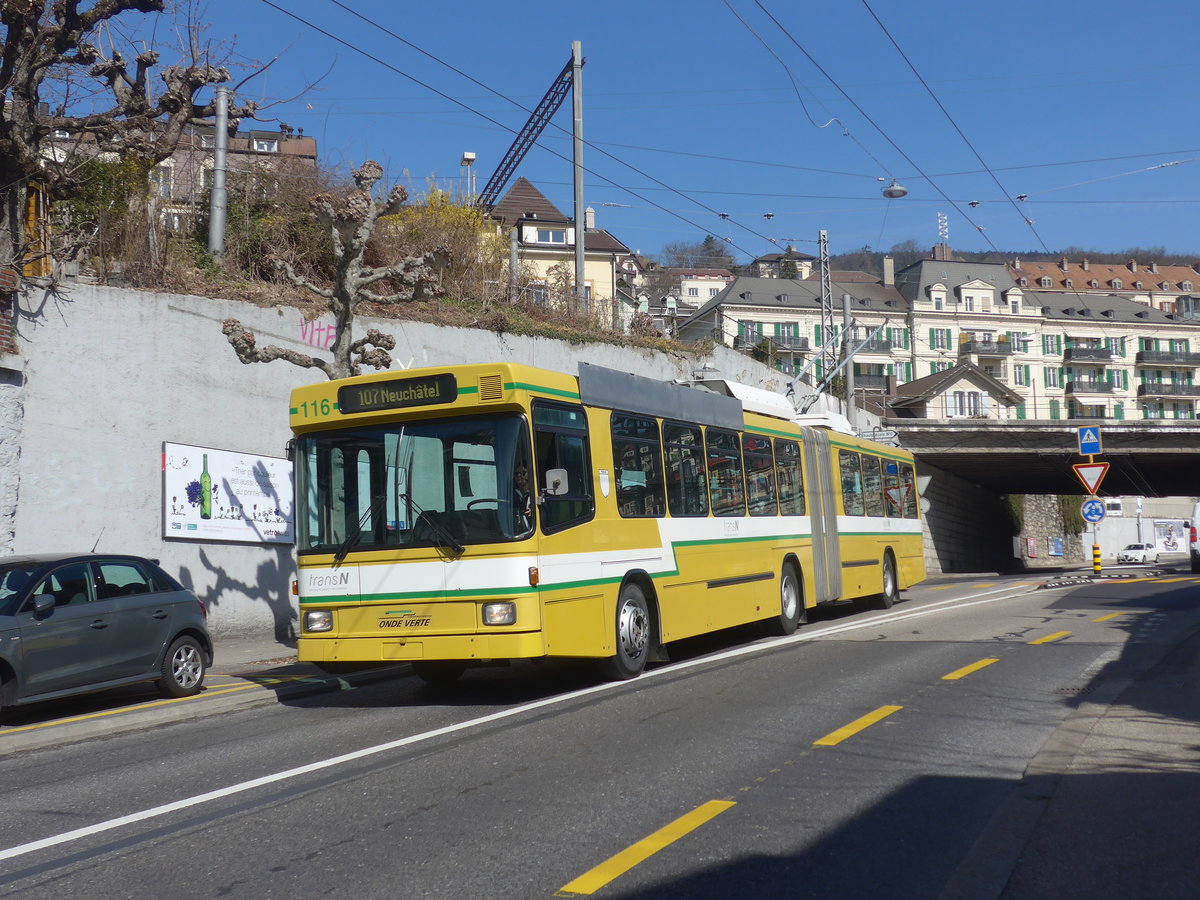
(217, 200)
(848, 372)
(577, 129)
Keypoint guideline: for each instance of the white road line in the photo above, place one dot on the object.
(806, 634)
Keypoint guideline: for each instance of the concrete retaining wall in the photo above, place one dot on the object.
(104, 376)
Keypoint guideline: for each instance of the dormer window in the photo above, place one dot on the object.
(266, 145)
(1185, 285)
(1166, 285)
(552, 236)
(1117, 284)
(1068, 282)
(208, 140)
(1137, 285)
(1023, 281)
(1045, 281)
(1093, 284)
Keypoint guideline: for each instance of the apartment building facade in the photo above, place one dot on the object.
(1062, 355)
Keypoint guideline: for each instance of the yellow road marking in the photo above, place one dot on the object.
(836, 737)
(1127, 580)
(153, 704)
(985, 584)
(592, 881)
(1110, 616)
(1057, 636)
(1171, 580)
(967, 670)
(941, 587)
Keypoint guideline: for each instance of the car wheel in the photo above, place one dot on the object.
(183, 668)
(632, 635)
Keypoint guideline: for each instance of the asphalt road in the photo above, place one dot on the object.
(908, 753)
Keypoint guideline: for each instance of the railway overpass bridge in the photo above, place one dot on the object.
(1146, 457)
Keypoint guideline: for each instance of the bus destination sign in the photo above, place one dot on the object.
(398, 393)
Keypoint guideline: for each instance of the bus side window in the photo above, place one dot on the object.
(637, 462)
(873, 486)
(760, 475)
(909, 485)
(852, 492)
(561, 442)
(790, 478)
(687, 484)
(891, 489)
(726, 485)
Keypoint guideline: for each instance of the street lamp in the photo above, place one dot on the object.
(468, 163)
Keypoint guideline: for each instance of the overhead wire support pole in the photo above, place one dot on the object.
(580, 211)
(829, 358)
(529, 133)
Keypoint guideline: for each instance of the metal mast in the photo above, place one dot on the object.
(538, 120)
(829, 356)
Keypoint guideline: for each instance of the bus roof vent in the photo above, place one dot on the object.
(491, 388)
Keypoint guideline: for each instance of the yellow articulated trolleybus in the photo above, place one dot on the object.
(487, 513)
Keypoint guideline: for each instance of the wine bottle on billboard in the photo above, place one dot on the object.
(205, 491)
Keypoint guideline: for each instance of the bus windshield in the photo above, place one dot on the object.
(445, 483)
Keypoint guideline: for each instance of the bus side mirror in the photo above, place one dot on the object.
(556, 482)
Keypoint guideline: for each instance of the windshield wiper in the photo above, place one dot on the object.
(352, 539)
(448, 540)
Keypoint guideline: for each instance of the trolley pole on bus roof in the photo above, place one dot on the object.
(580, 213)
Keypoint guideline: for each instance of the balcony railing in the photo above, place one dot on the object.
(876, 347)
(871, 382)
(1151, 389)
(1089, 387)
(1167, 358)
(1088, 354)
(987, 348)
(792, 344)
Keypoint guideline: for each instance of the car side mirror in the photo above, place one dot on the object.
(42, 604)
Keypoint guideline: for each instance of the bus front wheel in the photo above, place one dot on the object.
(791, 604)
(632, 634)
(439, 671)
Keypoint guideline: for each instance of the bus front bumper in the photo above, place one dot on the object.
(527, 645)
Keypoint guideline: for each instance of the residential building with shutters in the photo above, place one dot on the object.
(1061, 355)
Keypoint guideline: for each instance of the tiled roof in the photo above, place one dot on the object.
(1105, 273)
(522, 200)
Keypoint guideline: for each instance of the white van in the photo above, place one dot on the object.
(1193, 544)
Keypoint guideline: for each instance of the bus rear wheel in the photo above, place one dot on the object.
(632, 634)
(439, 671)
(791, 604)
(891, 591)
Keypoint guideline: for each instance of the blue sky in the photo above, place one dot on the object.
(1087, 110)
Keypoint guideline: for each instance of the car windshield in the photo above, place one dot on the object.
(443, 482)
(1136, 547)
(14, 579)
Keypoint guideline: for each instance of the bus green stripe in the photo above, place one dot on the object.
(541, 389)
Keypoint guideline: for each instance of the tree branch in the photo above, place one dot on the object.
(244, 344)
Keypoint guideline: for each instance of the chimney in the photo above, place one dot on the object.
(889, 271)
(1016, 263)
(1153, 268)
(589, 218)
(1063, 264)
(941, 252)
(1131, 265)
(1084, 264)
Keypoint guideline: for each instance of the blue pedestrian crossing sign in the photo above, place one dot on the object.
(1092, 510)
(1089, 440)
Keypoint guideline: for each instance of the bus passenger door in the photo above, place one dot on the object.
(822, 510)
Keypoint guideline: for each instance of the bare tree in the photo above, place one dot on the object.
(350, 224)
(50, 51)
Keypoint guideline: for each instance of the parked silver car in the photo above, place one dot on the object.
(1145, 554)
(73, 623)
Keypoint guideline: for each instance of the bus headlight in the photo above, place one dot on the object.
(500, 613)
(318, 620)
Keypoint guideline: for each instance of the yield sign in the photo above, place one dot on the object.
(1091, 474)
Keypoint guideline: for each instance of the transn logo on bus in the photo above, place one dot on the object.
(336, 579)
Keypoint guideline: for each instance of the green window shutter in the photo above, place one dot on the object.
(1020, 410)
(776, 329)
(1053, 409)
(1119, 411)
(817, 334)
(908, 366)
